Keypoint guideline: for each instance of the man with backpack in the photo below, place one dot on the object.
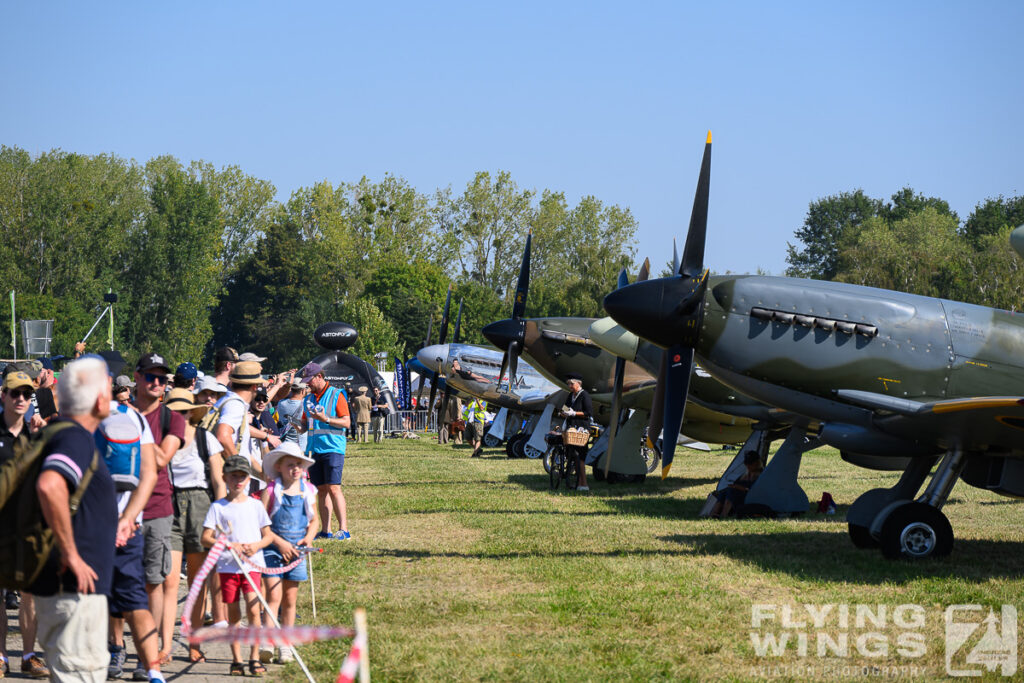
(232, 412)
(152, 374)
(71, 590)
(125, 441)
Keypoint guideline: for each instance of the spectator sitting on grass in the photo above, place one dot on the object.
(733, 495)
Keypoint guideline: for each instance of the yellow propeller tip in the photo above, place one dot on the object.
(709, 137)
(664, 471)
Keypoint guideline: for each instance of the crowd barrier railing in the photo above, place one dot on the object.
(411, 421)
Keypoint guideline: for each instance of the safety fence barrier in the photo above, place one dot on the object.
(411, 421)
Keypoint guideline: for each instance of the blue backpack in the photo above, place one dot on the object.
(119, 441)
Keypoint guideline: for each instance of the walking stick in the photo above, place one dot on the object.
(241, 566)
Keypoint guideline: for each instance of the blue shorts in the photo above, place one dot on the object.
(128, 589)
(274, 559)
(326, 468)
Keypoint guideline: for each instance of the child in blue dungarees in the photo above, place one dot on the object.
(291, 503)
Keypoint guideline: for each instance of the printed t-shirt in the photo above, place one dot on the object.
(94, 527)
(160, 504)
(246, 521)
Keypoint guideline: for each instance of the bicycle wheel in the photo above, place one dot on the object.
(557, 465)
(571, 476)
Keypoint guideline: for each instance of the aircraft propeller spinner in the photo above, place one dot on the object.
(510, 334)
(669, 311)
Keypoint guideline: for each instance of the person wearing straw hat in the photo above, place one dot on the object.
(189, 471)
(291, 505)
(232, 428)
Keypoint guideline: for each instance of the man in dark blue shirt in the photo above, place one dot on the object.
(71, 592)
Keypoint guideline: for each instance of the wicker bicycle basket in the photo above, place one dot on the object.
(573, 437)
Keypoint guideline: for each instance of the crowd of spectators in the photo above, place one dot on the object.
(182, 456)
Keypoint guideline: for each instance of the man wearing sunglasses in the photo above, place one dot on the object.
(16, 397)
(152, 374)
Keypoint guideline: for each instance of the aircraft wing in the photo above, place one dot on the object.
(979, 423)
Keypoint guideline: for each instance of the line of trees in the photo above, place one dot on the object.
(916, 244)
(202, 256)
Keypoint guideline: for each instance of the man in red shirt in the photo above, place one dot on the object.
(151, 377)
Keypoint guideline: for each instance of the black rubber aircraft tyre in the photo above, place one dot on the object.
(510, 446)
(519, 446)
(915, 531)
(861, 536)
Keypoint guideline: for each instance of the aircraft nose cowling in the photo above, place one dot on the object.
(429, 355)
(653, 309)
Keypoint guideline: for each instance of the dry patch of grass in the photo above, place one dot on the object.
(473, 569)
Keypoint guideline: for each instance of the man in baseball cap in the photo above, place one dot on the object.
(185, 376)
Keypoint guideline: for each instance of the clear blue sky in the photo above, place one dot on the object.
(609, 99)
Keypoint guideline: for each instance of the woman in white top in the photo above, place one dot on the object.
(189, 474)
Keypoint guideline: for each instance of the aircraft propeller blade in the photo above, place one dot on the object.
(620, 370)
(441, 340)
(623, 278)
(677, 385)
(426, 343)
(645, 271)
(669, 312)
(510, 334)
(657, 418)
(444, 316)
(458, 324)
(523, 283)
(675, 257)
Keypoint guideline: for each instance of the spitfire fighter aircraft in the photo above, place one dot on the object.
(892, 380)
(559, 346)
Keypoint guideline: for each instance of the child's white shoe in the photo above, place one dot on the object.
(286, 655)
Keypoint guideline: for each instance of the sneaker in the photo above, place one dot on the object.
(343, 536)
(323, 534)
(286, 655)
(34, 667)
(11, 600)
(157, 679)
(117, 658)
(140, 674)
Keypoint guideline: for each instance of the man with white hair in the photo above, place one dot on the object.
(71, 592)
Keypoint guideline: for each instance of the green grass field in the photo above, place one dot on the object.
(474, 570)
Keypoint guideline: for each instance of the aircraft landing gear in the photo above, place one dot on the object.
(514, 446)
(903, 528)
(916, 530)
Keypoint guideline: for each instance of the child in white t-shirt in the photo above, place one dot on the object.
(245, 521)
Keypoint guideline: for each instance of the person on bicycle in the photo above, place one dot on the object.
(577, 412)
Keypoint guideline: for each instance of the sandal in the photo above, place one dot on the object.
(256, 668)
(237, 669)
(195, 655)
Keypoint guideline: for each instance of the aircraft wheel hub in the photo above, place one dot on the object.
(918, 539)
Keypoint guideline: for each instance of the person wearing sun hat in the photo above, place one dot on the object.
(232, 429)
(291, 505)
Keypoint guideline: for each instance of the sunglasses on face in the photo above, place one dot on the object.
(155, 379)
(20, 393)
